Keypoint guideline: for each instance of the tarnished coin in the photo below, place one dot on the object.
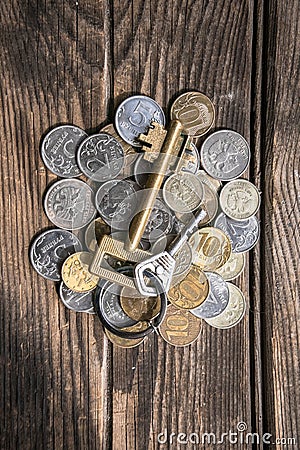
(138, 307)
(183, 192)
(210, 204)
(49, 250)
(160, 221)
(58, 150)
(134, 116)
(76, 301)
(100, 157)
(69, 204)
(243, 234)
(127, 343)
(195, 111)
(190, 292)
(75, 272)
(212, 248)
(217, 299)
(94, 232)
(240, 199)
(234, 311)
(179, 327)
(225, 155)
(211, 182)
(233, 267)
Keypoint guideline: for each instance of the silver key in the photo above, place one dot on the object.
(163, 264)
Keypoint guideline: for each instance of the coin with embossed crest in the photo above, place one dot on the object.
(127, 343)
(58, 150)
(100, 157)
(69, 204)
(75, 272)
(76, 301)
(191, 291)
(138, 307)
(212, 248)
(233, 267)
(160, 222)
(183, 192)
(243, 234)
(195, 111)
(239, 199)
(179, 327)
(217, 299)
(234, 311)
(225, 155)
(94, 232)
(49, 250)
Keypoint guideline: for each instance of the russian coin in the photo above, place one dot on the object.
(134, 116)
(94, 232)
(234, 311)
(211, 182)
(179, 327)
(233, 267)
(183, 192)
(195, 111)
(211, 248)
(225, 155)
(75, 272)
(100, 157)
(239, 199)
(192, 291)
(160, 222)
(49, 250)
(210, 204)
(217, 299)
(76, 301)
(127, 343)
(138, 307)
(243, 234)
(58, 150)
(68, 204)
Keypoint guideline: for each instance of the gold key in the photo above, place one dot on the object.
(153, 141)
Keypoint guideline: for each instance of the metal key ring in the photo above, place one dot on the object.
(153, 324)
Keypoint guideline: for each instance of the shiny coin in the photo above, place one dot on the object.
(76, 301)
(211, 182)
(225, 155)
(49, 250)
(234, 311)
(217, 299)
(94, 233)
(233, 267)
(101, 157)
(179, 327)
(243, 234)
(183, 192)
(195, 111)
(127, 343)
(192, 291)
(160, 222)
(75, 272)
(210, 204)
(212, 248)
(134, 116)
(59, 149)
(138, 307)
(69, 204)
(239, 199)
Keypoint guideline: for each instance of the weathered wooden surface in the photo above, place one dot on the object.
(62, 384)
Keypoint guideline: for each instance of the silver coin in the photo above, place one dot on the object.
(225, 155)
(134, 116)
(49, 251)
(243, 234)
(76, 301)
(69, 205)
(59, 149)
(240, 199)
(101, 157)
(217, 299)
(211, 182)
(160, 222)
(183, 192)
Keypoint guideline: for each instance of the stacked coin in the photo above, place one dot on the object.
(114, 166)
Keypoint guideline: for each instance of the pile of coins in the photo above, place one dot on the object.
(150, 231)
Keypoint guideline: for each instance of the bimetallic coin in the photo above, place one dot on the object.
(100, 157)
(183, 192)
(76, 301)
(234, 311)
(195, 111)
(243, 234)
(225, 155)
(49, 250)
(210, 204)
(160, 222)
(240, 199)
(217, 299)
(58, 150)
(233, 267)
(179, 327)
(75, 272)
(138, 307)
(211, 182)
(211, 248)
(94, 233)
(69, 204)
(191, 291)
(134, 116)
(127, 343)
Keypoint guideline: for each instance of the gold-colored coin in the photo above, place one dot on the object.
(94, 232)
(127, 343)
(212, 248)
(190, 292)
(179, 327)
(76, 275)
(138, 307)
(195, 111)
(240, 199)
(233, 267)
